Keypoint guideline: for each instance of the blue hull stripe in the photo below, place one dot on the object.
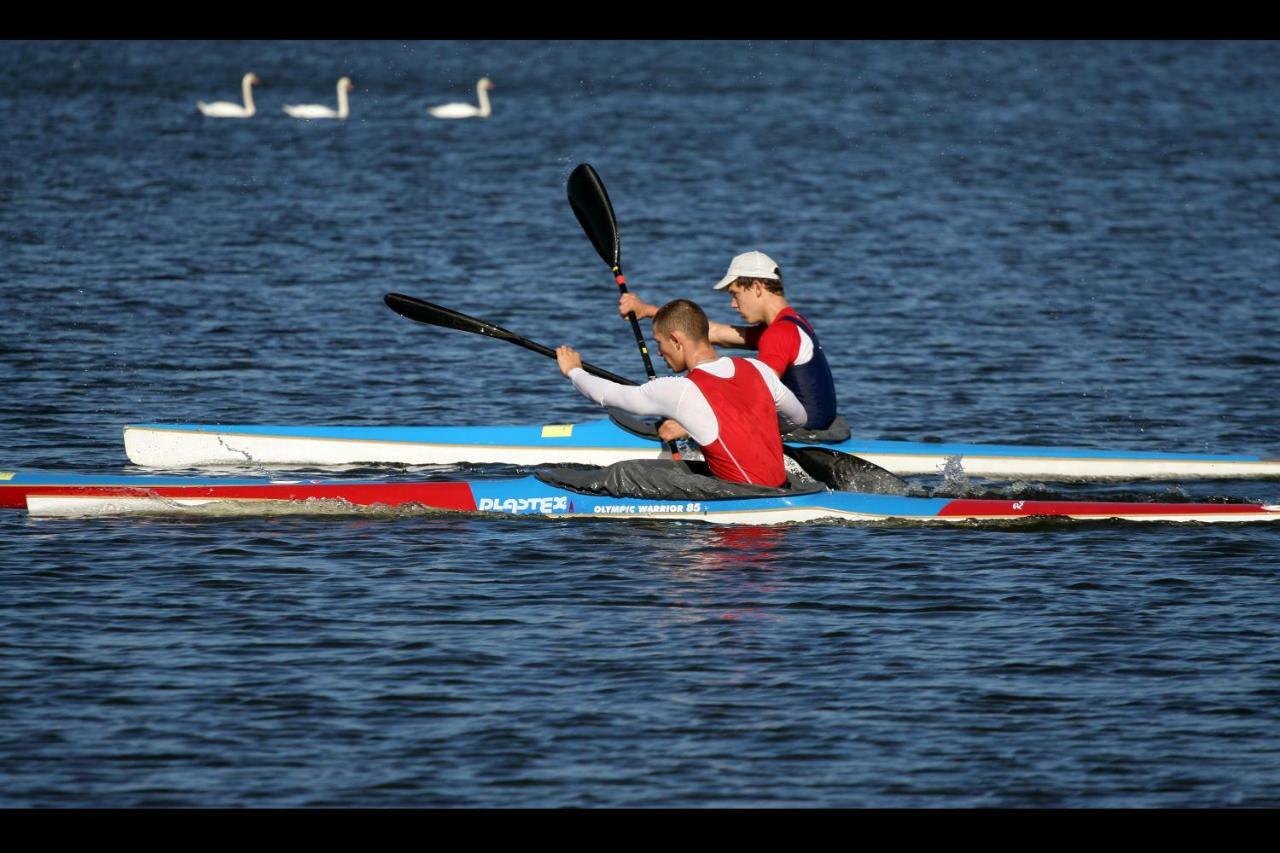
(530, 496)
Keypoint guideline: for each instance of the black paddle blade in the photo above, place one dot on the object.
(436, 315)
(591, 205)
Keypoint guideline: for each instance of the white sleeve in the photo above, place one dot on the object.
(786, 402)
(656, 397)
(674, 397)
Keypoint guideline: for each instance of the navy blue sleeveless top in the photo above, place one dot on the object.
(812, 383)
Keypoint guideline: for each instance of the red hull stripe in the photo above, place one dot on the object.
(453, 496)
(13, 497)
(984, 508)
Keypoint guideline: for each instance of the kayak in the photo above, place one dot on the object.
(603, 442)
(95, 495)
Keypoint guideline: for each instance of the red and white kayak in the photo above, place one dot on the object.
(603, 442)
(82, 495)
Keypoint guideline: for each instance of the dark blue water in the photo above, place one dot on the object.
(1074, 243)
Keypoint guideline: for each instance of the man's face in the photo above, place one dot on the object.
(748, 300)
(671, 348)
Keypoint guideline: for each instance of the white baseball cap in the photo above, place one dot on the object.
(751, 264)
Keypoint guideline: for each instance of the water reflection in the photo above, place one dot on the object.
(725, 573)
(742, 547)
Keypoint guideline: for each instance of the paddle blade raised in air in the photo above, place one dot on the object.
(590, 202)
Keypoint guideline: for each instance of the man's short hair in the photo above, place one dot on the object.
(769, 284)
(684, 316)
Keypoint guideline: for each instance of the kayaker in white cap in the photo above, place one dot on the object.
(785, 340)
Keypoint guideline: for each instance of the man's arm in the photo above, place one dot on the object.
(655, 397)
(629, 302)
(672, 397)
(721, 334)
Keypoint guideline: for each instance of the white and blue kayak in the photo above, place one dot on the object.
(79, 495)
(604, 442)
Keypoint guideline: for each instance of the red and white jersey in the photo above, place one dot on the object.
(781, 345)
(724, 409)
(791, 347)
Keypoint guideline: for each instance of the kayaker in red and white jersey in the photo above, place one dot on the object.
(729, 406)
(784, 340)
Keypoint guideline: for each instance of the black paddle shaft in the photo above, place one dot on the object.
(590, 202)
(436, 315)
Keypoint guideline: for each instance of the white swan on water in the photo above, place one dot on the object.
(227, 109)
(467, 110)
(318, 111)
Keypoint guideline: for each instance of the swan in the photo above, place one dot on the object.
(318, 111)
(467, 110)
(227, 109)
